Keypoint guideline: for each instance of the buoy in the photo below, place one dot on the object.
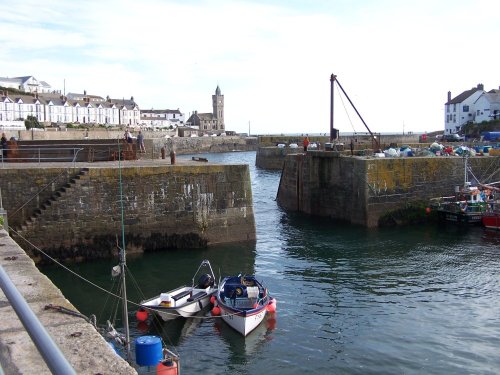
(428, 210)
(148, 351)
(216, 311)
(141, 315)
(212, 300)
(271, 306)
(167, 367)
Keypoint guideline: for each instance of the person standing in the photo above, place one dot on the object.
(128, 136)
(4, 145)
(140, 143)
(306, 143)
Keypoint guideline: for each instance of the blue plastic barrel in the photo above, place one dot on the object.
(148, 350)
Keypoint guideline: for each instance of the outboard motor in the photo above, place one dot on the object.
(205, 281)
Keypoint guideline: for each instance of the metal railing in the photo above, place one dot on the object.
(50, 352)
(40, 154)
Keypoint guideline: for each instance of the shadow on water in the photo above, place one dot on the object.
(150, 275)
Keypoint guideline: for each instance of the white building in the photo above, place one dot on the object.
(487, 106)
(53, 108)
(471, 106)
(27, 84)
(161, 118)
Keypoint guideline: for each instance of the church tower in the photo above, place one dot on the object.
(218, 108)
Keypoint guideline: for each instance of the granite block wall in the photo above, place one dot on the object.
(362, 189)
(165, 207)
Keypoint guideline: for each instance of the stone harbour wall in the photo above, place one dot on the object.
(274, 157)
(361, 190)
(85, 349)
(78, 214)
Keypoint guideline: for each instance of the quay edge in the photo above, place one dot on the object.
(84, 348)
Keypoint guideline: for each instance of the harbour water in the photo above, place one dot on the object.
(351, 300)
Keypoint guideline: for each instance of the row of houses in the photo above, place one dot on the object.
(84, 109)
(32, 97)
(471, 106)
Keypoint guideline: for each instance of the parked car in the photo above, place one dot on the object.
(453, 138)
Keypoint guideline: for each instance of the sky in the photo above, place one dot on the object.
(272, 59)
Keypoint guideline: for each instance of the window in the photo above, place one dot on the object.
(466, 108)
(454, 107)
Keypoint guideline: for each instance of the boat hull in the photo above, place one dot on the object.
(464, 218)
(243, 322)
(491, 220)
(243, 303)
(193, 301)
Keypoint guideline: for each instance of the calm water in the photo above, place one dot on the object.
(421, 300)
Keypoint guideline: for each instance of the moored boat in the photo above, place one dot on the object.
(466, 208)
(491, 218)
(468, 204)
(184, 301)
(243, 302)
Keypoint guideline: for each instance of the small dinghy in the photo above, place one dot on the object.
(243, 302)
(184, 301)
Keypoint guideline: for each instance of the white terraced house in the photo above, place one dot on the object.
(55, 108)
(161, 118)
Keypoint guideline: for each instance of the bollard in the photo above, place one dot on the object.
(163, 152)
(172, 157)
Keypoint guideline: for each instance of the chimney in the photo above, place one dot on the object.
(449, 96)
(480, 86)
(85, 92)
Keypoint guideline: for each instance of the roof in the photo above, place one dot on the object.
(160, 111)
(129, 103)
(492, 97)
(13, 80)
(206, 116)
(460, 98)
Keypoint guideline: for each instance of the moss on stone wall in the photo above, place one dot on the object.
(411, 213)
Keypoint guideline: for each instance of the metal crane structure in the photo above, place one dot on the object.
(333, 131)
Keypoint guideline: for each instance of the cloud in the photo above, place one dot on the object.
(272, 59)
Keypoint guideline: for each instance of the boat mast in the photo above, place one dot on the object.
(123, 261)
(466, 179)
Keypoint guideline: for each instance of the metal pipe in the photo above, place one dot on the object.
(50, 352)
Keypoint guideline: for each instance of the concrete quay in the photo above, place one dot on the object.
(84, 348)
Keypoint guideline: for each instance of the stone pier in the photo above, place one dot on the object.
(361, 190)
(83, 347)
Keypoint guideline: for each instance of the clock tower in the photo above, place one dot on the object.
(218, 108)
